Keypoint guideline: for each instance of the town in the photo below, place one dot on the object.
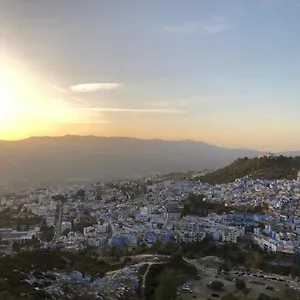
(130, 217)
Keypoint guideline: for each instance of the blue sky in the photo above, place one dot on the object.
(225, 72)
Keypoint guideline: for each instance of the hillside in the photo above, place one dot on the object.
(280, 167)
(75, 159)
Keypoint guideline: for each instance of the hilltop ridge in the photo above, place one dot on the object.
(276, 167)
(73, 159)
(78, 159)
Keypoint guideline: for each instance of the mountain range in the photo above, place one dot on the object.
(70, 159)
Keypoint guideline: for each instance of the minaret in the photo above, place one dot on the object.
(60, 206)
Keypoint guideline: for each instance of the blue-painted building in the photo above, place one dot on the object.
(164, 237)
(172, 210)
(217, 234)
(119, 241)
(191, 226)
(246, 219)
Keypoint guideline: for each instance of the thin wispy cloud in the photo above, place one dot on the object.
(124, 110)
(94, 87)
(105, 109)
(89, 122)
(211, 27)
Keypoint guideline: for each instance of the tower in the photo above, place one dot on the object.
(60, 207)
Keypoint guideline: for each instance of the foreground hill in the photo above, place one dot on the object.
(279, 167)
(59, 160)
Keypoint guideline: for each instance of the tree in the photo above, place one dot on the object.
(240, 284)
(167, 289)
(263, 296)
(195, 205)
(224, 266)
(216, 285)
(61, 198)
(80, 266)
(80, 194)
(65, 232)
(157, 246)
(16, 247)
(47, 234)
(169, 248)
(230, 297)
(5, 295)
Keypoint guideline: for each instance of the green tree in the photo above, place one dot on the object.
(230, 297)
(47, 234)
(169, 248)
(80, 266)
(216, 285)
(157, 246)
(240, 284)
(167, 289)
(65, 232)
(80, 194)
(5, 295)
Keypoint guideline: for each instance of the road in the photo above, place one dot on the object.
(154, 261)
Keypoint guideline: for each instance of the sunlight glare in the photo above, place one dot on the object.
(6, 105)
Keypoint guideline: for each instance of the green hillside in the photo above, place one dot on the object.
(280, 167)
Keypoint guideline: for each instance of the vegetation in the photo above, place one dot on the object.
(198, 206)
(167, 289)
(80, 194)
(280, 167)
(17, 246)
(240, 284)
(8, 219)
(266, 297)
(216, 285)
(61, 198)
(230, 297)
(244, 255)
(47, 233)
(195, 205)
(14, 270)
(163, 280)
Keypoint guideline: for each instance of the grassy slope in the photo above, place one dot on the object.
(263, 168)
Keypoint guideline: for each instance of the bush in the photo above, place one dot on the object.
(240, 284)
(216, 285)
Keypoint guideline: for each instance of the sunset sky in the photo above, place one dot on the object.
(223, 72)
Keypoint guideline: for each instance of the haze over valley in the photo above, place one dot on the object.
(75, 159)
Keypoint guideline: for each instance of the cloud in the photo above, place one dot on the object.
(106, 109)
(89, 122)
(211, 27)
(94, 87)
(128, 110)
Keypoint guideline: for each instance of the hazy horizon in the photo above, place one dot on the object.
(224, 73)
(145, 139)
(150, 139)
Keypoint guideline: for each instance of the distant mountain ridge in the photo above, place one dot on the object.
(56, 160)
(278, 167)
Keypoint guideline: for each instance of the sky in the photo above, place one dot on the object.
(223, 72)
